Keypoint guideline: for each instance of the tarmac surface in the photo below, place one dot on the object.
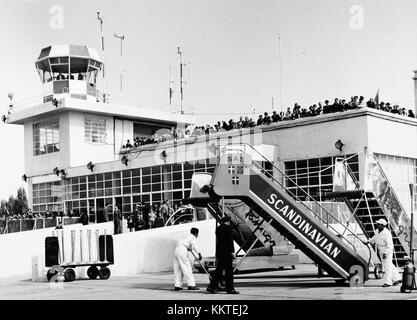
(299, 284)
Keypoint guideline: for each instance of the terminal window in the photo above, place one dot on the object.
(46, 137)
(314, 176)
(95, 130)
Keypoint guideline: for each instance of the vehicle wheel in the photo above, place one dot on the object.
(402, 289)
(293, 267)
(69, 275)
(92, 272)
(104, 273)
(379, 271)
(50, 274)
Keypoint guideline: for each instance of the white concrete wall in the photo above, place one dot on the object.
(153, 250)
(392, 137)
(18, 249)
(23, 254)
(43, 164)
(81, 151)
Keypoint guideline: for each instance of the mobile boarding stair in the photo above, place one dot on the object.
(238, 177)
(377, 199)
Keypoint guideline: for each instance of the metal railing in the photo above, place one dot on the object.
(284, 175)
(21, 225)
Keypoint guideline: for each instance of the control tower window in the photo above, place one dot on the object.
(95, 130)
(46, 137)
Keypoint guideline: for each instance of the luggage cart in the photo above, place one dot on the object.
(55, 257)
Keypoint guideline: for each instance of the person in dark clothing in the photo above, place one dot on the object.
(260, 120)
(105, 214)
(130, 223)
(411, 114)
(225, 252)
(84, 218)
(275, 117)
(117, 221)
(145, 213)
(159, 221)
(267, 119)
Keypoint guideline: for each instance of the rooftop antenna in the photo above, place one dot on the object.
(122, 37)
(181, 82)
(102, 52)
(171, 90)
(189, 81)
(280, 70)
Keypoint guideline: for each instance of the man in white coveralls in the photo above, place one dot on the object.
(383, 240)
(182, 264)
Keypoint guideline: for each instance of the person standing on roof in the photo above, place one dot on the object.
(383, 241)
(182, 264)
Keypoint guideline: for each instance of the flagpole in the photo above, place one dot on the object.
(280, 70)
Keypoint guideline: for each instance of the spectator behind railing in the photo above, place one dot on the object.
(297, 112)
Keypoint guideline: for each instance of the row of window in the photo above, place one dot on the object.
(149, 182)
(315, 176)
(46, 134)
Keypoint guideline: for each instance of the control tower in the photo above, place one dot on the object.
(69, 70)
(72, 124)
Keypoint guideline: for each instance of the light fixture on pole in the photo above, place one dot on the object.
(56, 171)
(63, 173)
(124, 160)
(163, 155)
(339, 145)
(90, 166)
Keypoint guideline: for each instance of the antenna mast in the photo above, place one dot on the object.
(181, 82)
(280, 70)
(122, 37)
(102, 52)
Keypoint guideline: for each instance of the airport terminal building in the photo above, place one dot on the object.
(73, 124)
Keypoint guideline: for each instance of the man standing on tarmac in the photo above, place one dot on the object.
(225, 252)
(384, 245)
(182, 264)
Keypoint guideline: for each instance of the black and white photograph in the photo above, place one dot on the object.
(204, 156)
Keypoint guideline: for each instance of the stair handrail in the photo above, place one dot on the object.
(390, 185)
(306, 193)
(394, 196)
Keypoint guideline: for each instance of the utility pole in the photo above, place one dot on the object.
(121, 61)
(181, 82)
(280, 70)
(171, 90)
(411, 185)
(102, 53)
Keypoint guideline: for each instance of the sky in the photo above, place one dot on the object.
(238, 54)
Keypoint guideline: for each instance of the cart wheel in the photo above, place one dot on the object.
(50, 274)
(293, 267)
(92, 272)
(69, 275)
(104, 273)
(379, 271)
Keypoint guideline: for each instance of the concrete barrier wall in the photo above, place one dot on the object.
(153, 250)
(17, 250)
(22, 254)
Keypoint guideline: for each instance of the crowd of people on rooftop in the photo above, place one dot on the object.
(297, 112)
